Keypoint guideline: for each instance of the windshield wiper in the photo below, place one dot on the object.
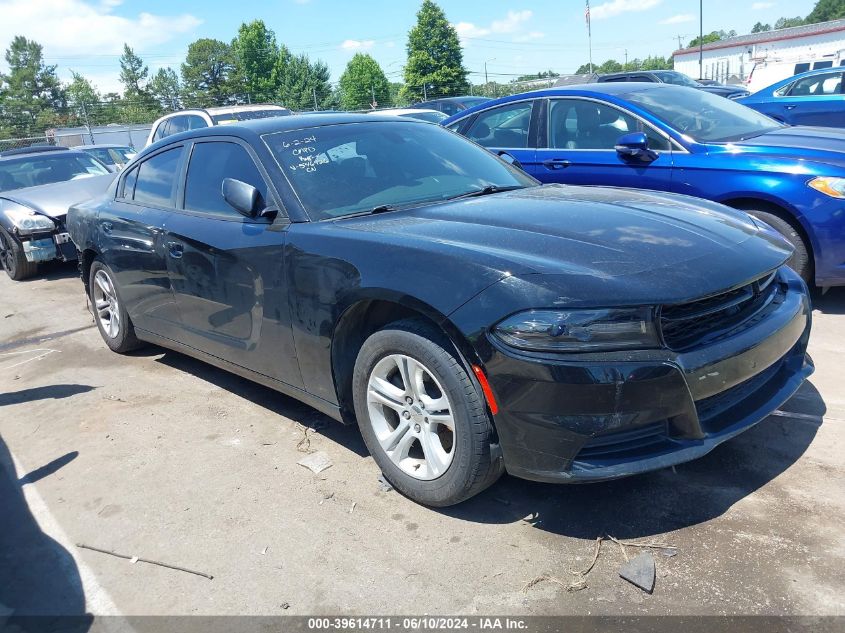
(485, 191)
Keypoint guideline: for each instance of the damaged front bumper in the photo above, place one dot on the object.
(604, 416)
(46, 247)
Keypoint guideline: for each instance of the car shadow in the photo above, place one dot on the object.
(830, 302)
(634, 507)
(51, 271)
(40, 585)
(274, 401)
(662, 501)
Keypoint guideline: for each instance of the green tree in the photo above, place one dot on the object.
(713, 36)
(208, 73)
(133, 73)
(300, 83)
(759, 27)
(256, 55)
(545, 74)
(435, 64)
(785, 23)
(165, 88)
(30, 93)
(362, 83)
(83, 100)
(826, 10)
(655, 62)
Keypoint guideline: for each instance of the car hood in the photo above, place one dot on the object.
(54, 199)
(819, 144)
(597, 233)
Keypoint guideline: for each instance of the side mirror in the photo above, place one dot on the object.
(635, 145)
(510, 160)
(241, 196)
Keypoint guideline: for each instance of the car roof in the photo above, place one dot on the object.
(82, 148)
(401, 111)
(30, 152)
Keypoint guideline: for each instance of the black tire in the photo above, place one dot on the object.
(124, 340)
(475, 463)
(13, 260)
(800, 260)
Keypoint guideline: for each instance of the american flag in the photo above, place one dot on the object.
(587, 13)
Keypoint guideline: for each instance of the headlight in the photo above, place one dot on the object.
(580, 330)
(833, 187)
(26, 221)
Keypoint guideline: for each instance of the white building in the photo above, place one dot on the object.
(731, 60)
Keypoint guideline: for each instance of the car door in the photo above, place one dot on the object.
(227, 270)
(132, 240)
(578, 146)
(814, 100)
(507, 129)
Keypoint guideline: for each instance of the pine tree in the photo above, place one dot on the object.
(435, 66)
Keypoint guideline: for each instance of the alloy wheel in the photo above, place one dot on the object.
(7, 254)
(105, 302)
(411, 416)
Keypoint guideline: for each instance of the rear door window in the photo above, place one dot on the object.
(156, 181)
(817, 85)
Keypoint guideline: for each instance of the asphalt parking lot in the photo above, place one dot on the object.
(159, 456)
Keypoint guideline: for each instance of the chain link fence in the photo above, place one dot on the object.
(134, 136)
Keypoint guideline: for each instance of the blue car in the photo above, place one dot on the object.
(811, 98)
(682, 140)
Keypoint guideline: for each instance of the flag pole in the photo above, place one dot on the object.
(589, 35)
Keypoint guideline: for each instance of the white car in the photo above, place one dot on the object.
(195, 118)
(432, 116)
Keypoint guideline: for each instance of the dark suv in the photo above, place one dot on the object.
(676, 78)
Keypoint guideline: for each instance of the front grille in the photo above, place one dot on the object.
(687, 325)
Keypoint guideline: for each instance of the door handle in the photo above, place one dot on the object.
(791, 107)
(107, 227)
(175, 249)
(556, 163)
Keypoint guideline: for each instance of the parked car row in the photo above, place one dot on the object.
(442, 289)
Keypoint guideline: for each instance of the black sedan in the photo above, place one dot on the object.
(394, 274)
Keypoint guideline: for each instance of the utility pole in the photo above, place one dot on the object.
(680, 46)
(701, 39)
(589, 35)
(425, 92)
(626, 59)
(314, 91)
(374, 104)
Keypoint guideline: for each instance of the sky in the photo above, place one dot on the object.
(513, 37)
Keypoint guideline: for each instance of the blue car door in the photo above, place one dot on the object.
(507, 128)
(814, 100)
(227, 270)
(577, 146)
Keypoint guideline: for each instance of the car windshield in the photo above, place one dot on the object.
(45, 169)
(678, 79)
(247, 115)
(346, 169)
(702, 116)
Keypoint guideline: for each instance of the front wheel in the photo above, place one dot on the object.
(109, 311)
(13, 260)
(422, 417)
(800, 260)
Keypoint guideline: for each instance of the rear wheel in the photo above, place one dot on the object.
(422, 417)
(13, 260)
(109, 312)
(800, 261)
